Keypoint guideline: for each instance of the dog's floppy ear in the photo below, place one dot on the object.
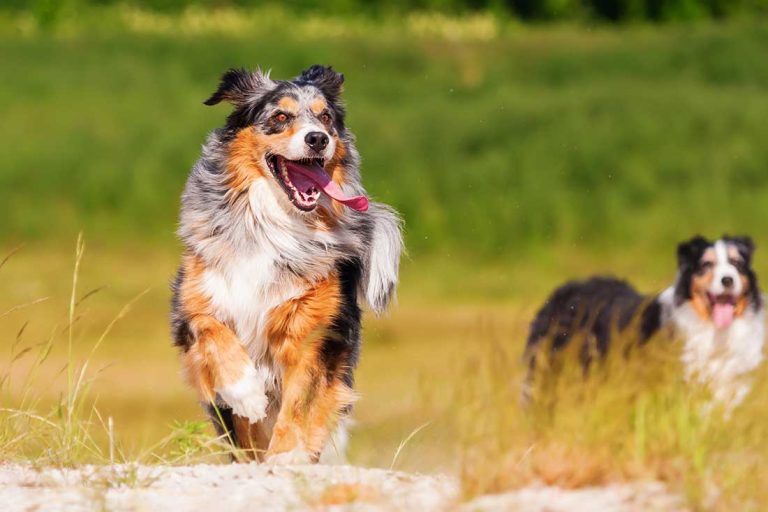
(744, 244)
(746, 248)
(239, 87)
(324, 78)
(688, 255)
(381, 256)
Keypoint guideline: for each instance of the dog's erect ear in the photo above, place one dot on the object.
(690, 252)
(324, 78)
(744, 244)
(239, 87)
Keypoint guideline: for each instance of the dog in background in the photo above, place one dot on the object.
(714, 306)
(281, 246)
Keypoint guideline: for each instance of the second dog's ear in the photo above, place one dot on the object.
(239, 87)
(688, 255)
(745, 245)
(690, 252)
(324, 78)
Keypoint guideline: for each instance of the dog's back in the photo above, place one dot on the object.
(592, 310)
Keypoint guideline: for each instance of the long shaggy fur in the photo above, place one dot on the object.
(266, 303)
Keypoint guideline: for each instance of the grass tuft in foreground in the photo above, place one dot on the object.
(630, 418)
(71, 430)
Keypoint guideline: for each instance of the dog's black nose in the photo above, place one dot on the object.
(727, 281)
(316, 140)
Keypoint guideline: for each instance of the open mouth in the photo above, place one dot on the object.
(723, 308)
(303, 180)
(303, 193)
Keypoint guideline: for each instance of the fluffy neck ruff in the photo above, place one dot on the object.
(223, 215)
(720, 358)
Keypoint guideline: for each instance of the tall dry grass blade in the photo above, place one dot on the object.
(10, 255)
(90, 294)
(79, 251)
(22, 306)
(120, 315)
(405, 441)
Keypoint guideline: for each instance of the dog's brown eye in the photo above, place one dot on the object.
(325, 117)
(281, 117)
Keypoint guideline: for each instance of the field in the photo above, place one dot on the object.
(518, 156)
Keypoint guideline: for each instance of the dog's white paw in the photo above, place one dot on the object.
(297, 456)
(247, 397)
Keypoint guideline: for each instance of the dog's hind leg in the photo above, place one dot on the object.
(222, 420)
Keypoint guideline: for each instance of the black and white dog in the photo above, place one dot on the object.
(714, 306)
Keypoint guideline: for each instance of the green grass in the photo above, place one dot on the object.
(492, 141)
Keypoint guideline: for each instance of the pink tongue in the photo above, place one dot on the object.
(722, 314)
(304, 177)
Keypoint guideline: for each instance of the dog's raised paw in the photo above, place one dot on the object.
(247, 397)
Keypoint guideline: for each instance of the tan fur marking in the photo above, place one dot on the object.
(699, 286)
(325, 220)
(290, 324)
(311, 402)
(246, 154)
(701, 306)
(318, 105)
(310, 427)
(741, 304)
(288, 104)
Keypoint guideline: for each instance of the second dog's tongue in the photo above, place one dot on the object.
(722, 314)
(306, 176)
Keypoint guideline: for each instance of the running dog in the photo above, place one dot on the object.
(281, 246)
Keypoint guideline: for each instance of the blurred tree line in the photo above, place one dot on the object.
(534, 10)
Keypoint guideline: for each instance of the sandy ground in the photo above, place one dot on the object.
(258, 487)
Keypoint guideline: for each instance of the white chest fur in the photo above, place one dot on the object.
(721, 358)
(267, 258)
(243, 291)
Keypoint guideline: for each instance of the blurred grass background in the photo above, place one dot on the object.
(519, 154)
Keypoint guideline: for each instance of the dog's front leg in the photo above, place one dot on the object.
(314, 391)
(217, 364)
(312, 406)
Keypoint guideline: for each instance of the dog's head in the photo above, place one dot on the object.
(290, 132)
(717, 278)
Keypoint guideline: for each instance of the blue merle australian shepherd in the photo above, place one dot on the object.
(714, 306)
(281, 248)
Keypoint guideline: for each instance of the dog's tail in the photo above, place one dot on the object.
(381, 256)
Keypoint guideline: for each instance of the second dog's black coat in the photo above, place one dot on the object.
(593, 309)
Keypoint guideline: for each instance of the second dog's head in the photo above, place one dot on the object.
(717, 278)
(290, 132)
